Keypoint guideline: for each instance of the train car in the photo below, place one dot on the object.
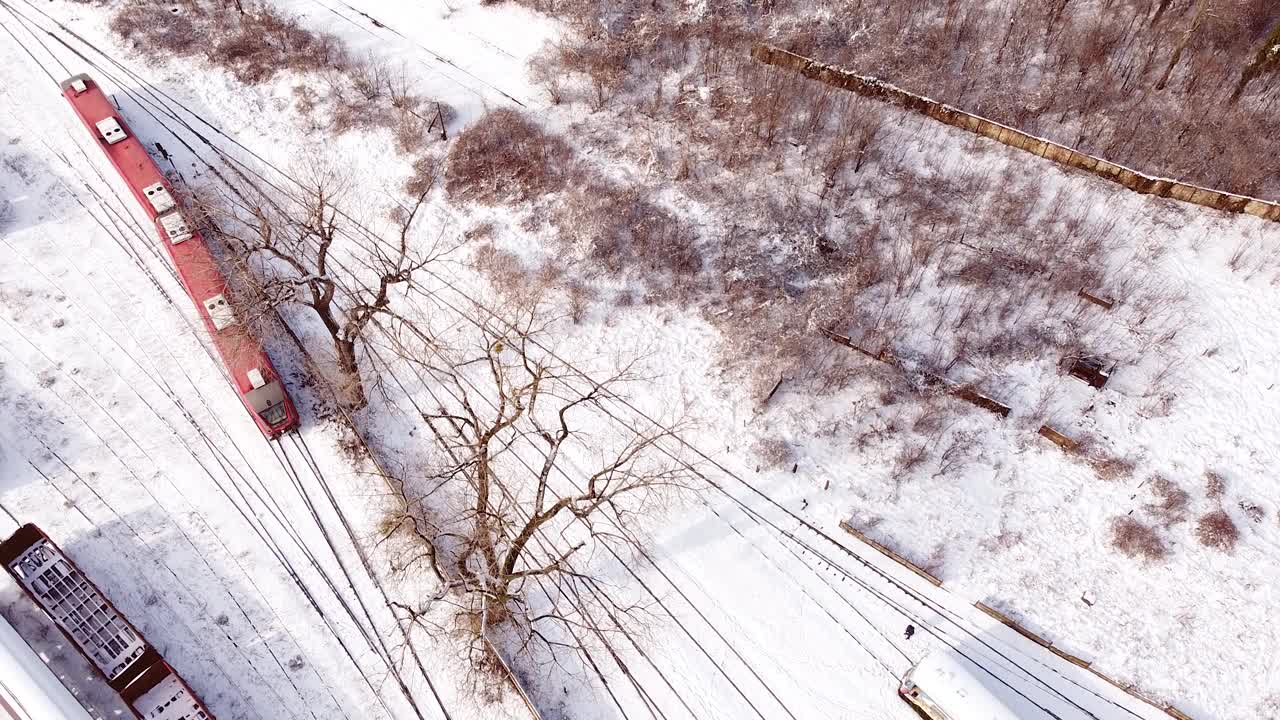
(945, 686)
(254, 377)
(151, 688)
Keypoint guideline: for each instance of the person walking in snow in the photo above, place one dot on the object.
(911, 630)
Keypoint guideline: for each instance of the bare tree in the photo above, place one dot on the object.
(302, 249)
(528, 486)
(1202, 6)
(1265, 60)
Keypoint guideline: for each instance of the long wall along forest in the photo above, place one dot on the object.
(1061, 154)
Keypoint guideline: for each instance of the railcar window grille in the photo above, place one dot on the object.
(71, 600)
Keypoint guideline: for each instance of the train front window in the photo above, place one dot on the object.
(268, 402)
(275, 415)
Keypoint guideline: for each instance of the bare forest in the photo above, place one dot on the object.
(1185, 89)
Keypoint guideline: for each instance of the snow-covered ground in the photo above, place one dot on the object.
(121, 441)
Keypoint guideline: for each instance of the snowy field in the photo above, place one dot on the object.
(121, 440)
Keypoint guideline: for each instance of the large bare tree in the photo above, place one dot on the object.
(530, 482)
(301, 248)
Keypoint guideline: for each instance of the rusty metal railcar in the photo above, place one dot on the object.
(150, 687)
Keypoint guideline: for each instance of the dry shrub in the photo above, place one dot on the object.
(621, 229)
(1137, 539)
(602, 60)
(1171, 501)
(412, 130)
(911, 457)
(349, 111)
(1214, 484)
(506, 157)
(774, 453)
(258, 44)
(1112, 468)
(1218, 531)
(1253, 511)
(580, 296)
(423, 177)
(511, 279)
(1089, 67)
(254, 46)
(936, 562)
(1004, 540)
(503, 268)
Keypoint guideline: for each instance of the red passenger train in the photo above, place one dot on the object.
(254, 378)
(151, 688)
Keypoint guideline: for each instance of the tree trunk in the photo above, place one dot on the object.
(1164, 5)
(1268, 57)
(352, 385)
(1196, 20)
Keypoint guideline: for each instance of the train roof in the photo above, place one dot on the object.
(28, 688)
(962, 689)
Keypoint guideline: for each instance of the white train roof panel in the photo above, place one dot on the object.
(169, 700)
(161, 200)
(110, 130)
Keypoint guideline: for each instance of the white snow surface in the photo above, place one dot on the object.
(103, 384)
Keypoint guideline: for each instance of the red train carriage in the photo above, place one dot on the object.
(255, 379)
(151, 688)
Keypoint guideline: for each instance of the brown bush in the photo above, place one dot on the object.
(1218, 531)
(1109, 467)
(1171, 501)
(1091, 69)
(423, 178)
(417, 123)
(1253, 511)
(909, 458)
(1214, 484)
(254, 45)
(620, 228)
(506, 157)
(774, 453)
(1137, 539)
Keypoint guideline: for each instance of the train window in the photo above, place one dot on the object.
(111, 130)
(268, 401)
(220, 312)
(175, 227)
(160, 198)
